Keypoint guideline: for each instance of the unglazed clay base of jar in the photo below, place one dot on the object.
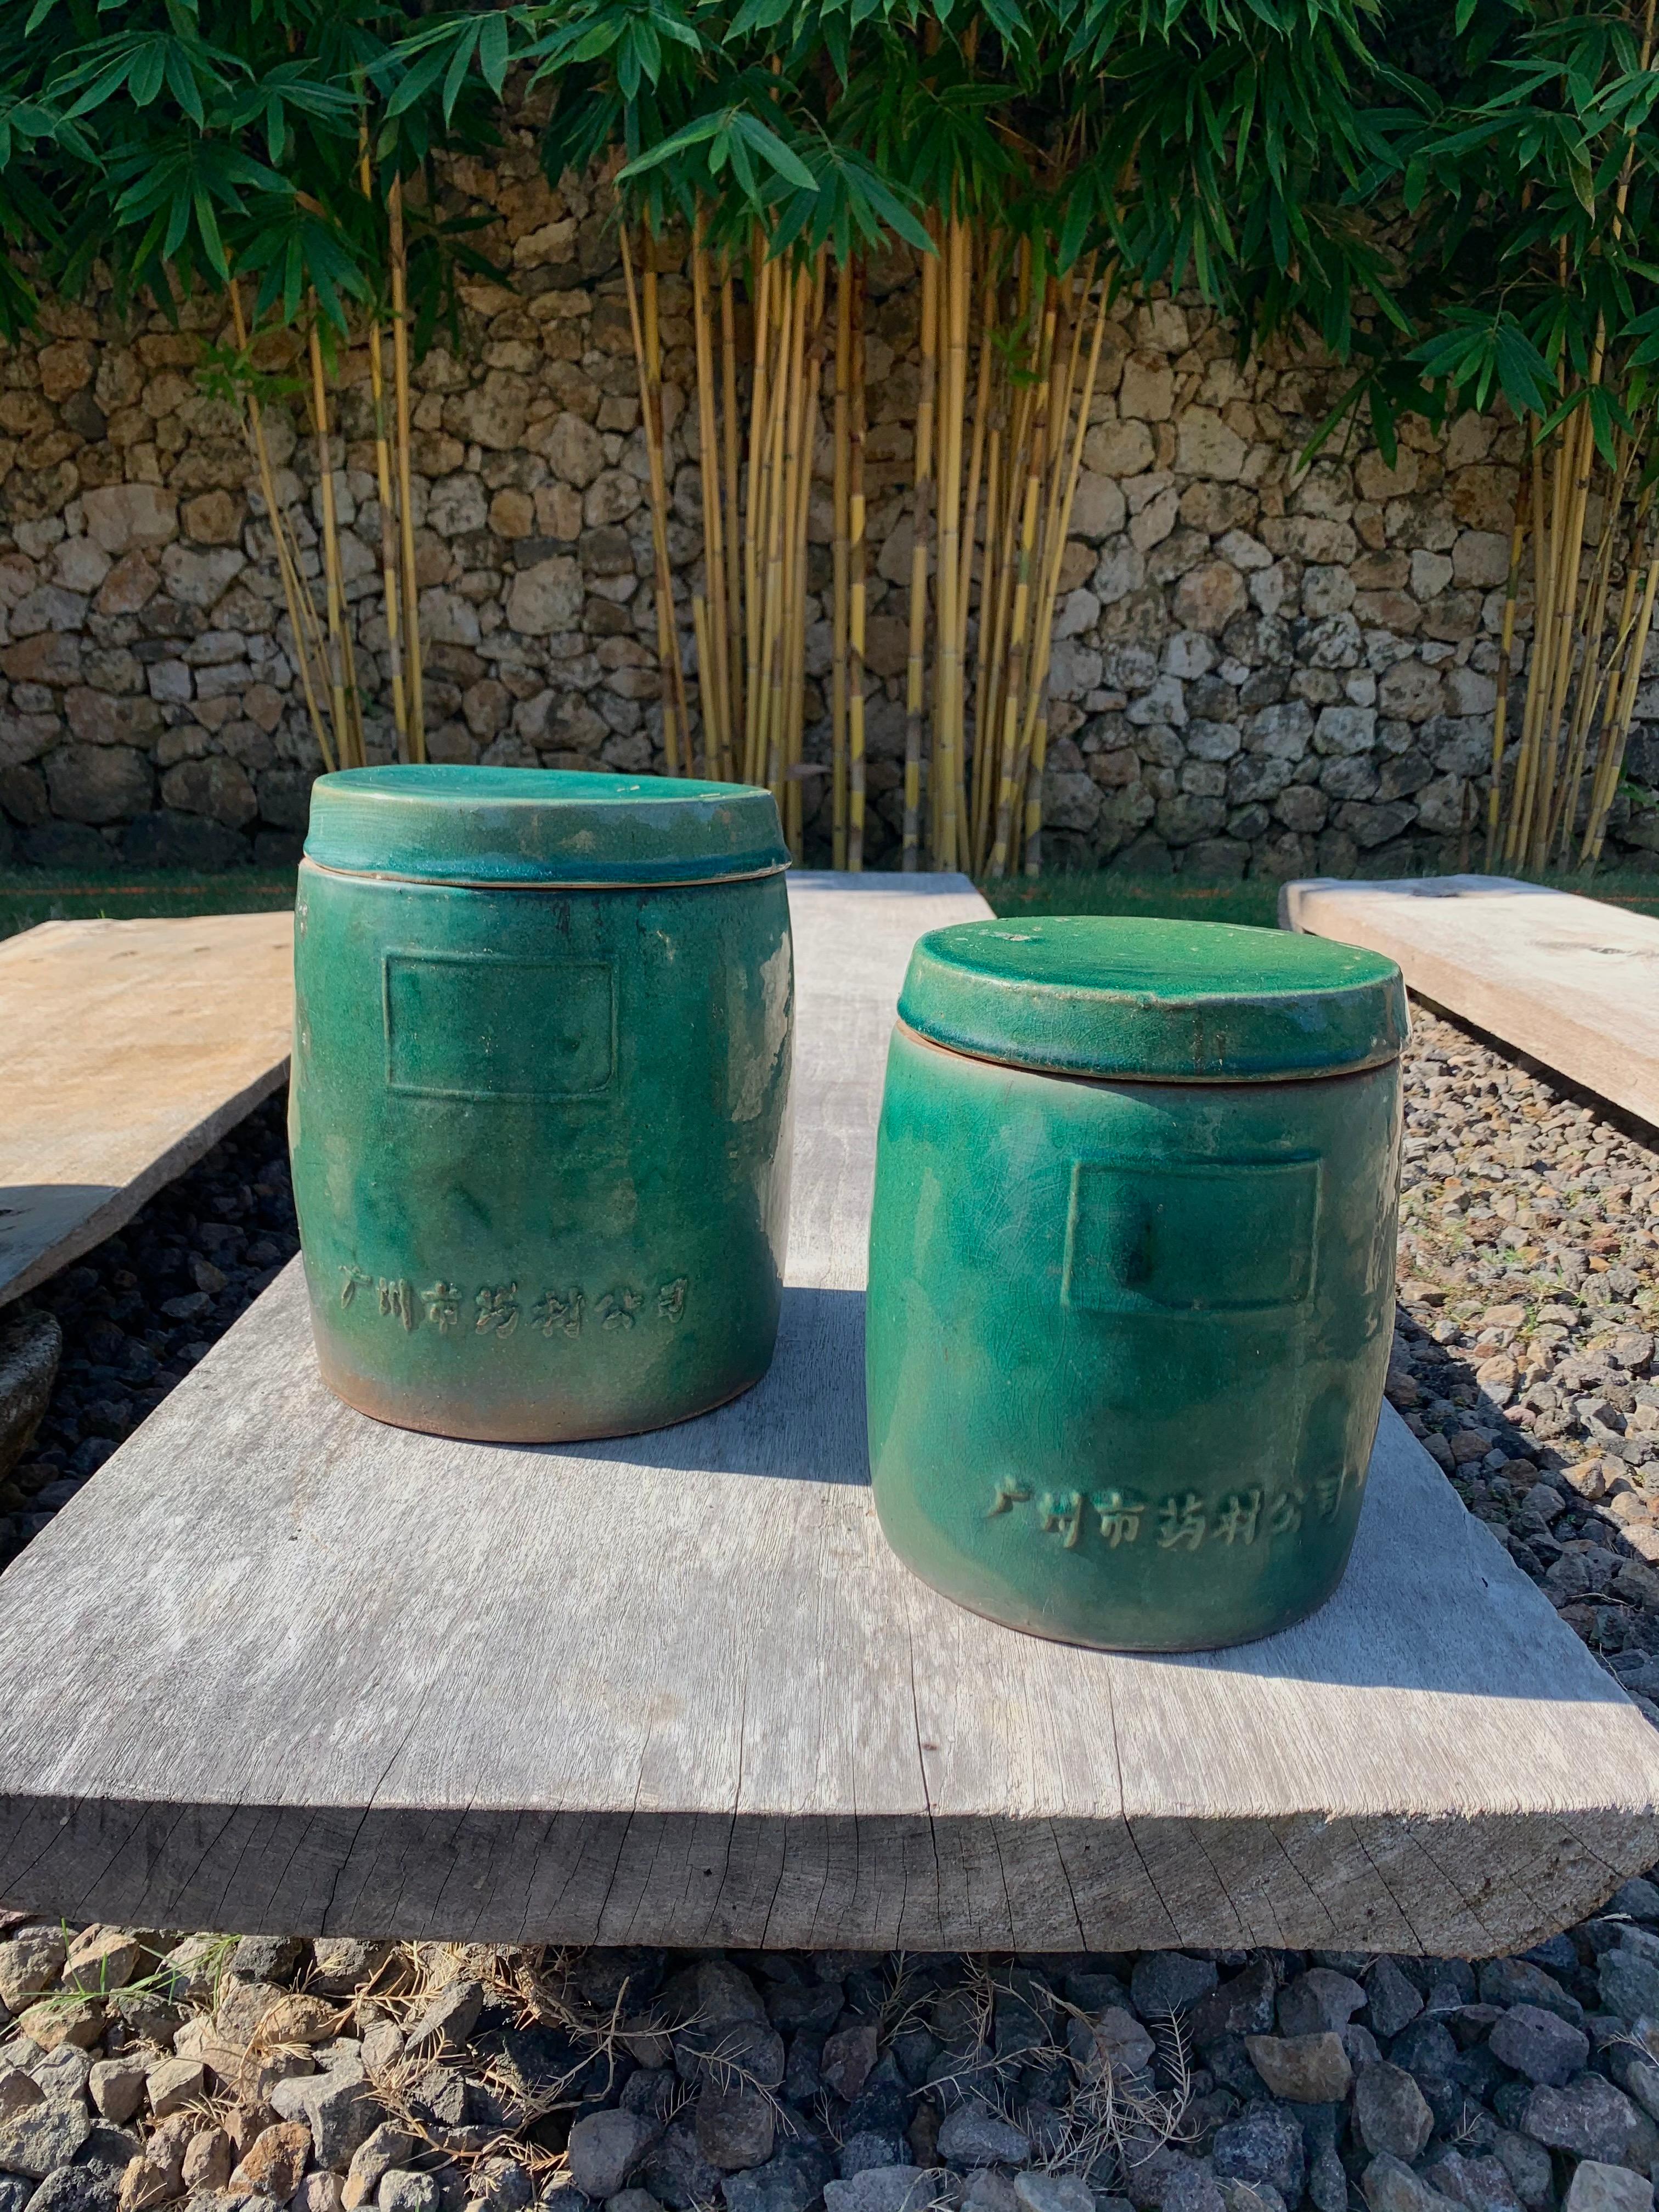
(1131, 1269)
(539, 1111)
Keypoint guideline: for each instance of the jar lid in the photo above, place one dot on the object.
(1154, 1001)
(452, 824)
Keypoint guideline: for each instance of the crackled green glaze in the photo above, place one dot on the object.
(1126, 1340)
(539, 1132)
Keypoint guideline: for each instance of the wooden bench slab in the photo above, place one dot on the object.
(279, 1667)
(1570, 980)
(127, 1049)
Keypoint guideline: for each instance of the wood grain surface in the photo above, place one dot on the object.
(279, 1668)
(1570, 980)
(127, 1049)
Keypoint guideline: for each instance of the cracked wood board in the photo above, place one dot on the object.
(127, 1049)
(279, 1667)
(1570, 980)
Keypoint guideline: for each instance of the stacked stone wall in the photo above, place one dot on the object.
(1259, 668)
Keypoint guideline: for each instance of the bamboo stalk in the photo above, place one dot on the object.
(1500, 709)
(856, 589)
(294, 591)
(416, 700)
(921, 519)
(839, 611)
(383, 483)
(755, 512)
(676, 670)
(732, 615)
(948, 690)
(344, 745)
(1609, 767)
(647, 358)
(715, 672)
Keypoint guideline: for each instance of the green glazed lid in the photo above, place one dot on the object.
(1154, 1001)
(431, 823)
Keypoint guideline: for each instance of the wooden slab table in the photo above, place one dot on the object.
(278, 1667)
(1573, 981)
(127, 1049)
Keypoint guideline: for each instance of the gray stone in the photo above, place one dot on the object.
(792, 2180)
(1307, 2069)
(1629, 1982)
(449, 2019)
(267, 1958)
(1167, 1982)
(735, 2126)
(1635, 2073)
(30, 1348)
(883, 2189)
(77, 2189)
(605, 2149)
(846, 2058)
(117, 2086)
(973, 2135)
(340, 2109)
(1392, 2000)
(1244, 2006)
(374, 2158)
(1053, 2192)
(870, 2147)
(43, 2135)
(1636, 1897)
(1509, 1981)
(1540, 2044)
(1390, 2112)
(1250, 2197)
(32, 1961)
(1527, 2164)
(15, 2190)
(1480, 2182)
(1391, 2186)
(404, 2190)
(19, 2090)
(1598, 2188)
(122, 516)
(1263, 2143)
(112, 2148)
(1589, 2117)
(1318, 2000)
(1190, 2189)
(340, 1964)
(675, 2172)
(502, 2184)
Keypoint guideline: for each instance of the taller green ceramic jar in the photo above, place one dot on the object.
(1131, 1267)
(539, 1110)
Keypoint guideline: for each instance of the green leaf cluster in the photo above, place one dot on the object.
(1451, 197)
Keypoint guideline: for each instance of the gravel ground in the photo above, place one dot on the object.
(139, 1311)
(139, 2069)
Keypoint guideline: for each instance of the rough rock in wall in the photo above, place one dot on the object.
(1258, 668)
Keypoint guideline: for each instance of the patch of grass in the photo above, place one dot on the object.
(1255, 902)
(30, 896)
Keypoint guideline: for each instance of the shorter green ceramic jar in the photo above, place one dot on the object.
(1132, 1265)
(539, 1109)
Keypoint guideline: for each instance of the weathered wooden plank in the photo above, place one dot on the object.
(127, 1049)
(279, 1668)
(1570, 980)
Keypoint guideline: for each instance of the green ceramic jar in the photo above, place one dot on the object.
(539, 1109)
(1132, 1267)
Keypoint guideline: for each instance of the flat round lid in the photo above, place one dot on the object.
(432, 823)
(1158, 1002)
